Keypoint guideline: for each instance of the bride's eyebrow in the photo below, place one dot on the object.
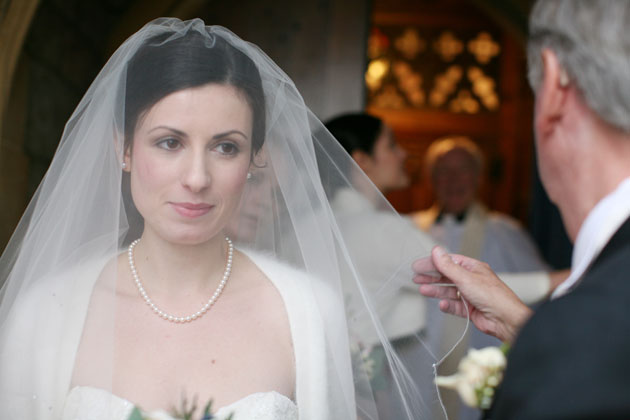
(229, 133)
(174, 130)
(183, 134)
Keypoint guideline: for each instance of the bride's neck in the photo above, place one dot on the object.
(180, 269)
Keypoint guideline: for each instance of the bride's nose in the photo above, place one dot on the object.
(196, 172)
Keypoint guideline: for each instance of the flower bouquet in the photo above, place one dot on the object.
(478, 374)
(184, 413)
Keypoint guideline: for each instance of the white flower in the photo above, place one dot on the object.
(368, 363)
(477, 375)
(457, 382)
(491, 357)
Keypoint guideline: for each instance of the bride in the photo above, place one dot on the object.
(121, 287)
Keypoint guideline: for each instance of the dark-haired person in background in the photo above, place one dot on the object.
(371, 143)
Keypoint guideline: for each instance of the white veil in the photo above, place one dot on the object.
(82, 216)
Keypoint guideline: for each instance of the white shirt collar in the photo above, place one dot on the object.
(599, 227)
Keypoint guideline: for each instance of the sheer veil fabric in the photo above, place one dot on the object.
(59, 272)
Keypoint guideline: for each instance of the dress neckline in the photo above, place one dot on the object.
(225, 410)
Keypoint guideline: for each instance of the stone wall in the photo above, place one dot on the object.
(320, 44)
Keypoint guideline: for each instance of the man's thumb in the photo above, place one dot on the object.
(444, 263)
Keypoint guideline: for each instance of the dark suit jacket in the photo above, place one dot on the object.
(572, 359)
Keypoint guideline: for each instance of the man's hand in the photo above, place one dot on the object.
(493, 307)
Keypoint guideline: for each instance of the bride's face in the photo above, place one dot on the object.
(189, 161)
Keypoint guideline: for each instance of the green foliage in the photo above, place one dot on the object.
(136, 414)
(185, 412)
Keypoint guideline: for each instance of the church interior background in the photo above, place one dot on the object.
(429, 68)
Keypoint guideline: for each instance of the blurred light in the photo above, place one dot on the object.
(377, 69)
(483, 47)
(464, 102)
(410, 43)
(448, 46)
(389, 98)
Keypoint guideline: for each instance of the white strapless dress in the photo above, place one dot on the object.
(87, 403)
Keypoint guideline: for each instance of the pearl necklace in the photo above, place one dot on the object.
(204, 308)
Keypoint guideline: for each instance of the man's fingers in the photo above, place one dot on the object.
(440, 292)
(446, 265)
(423, 265)
(429, 279)
(470, 264)
(453, 307)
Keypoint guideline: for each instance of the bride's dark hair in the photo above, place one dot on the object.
(171, 62)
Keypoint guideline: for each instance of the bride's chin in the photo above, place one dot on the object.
(191, 237)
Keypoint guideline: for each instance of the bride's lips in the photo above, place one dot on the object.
(191, 209)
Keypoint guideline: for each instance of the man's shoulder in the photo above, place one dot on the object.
(570, 359)
(597, 304)
(589, 304)
(601, 296)
(611, 268)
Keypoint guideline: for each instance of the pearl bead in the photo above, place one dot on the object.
(206, 306)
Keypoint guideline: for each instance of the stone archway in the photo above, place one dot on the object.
(15, 20)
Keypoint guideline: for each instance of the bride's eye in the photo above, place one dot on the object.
(228, 149)
(169, 144)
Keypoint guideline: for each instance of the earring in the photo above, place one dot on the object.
(249, 175)
(124, 165)
(564, 78)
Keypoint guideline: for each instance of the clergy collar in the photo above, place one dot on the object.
(459, 217)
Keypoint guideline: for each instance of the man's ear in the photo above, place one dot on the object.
(362, 159)
(552, 92)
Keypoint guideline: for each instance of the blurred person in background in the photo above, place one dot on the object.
(460, 221)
